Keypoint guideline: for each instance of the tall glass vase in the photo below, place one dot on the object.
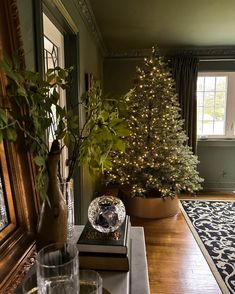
(67, 189)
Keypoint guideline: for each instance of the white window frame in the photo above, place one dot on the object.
(230, 106)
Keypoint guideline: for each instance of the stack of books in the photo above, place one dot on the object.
(102, 251)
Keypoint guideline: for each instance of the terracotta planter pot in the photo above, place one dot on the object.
(152, 207)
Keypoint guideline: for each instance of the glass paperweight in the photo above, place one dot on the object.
(106, 213)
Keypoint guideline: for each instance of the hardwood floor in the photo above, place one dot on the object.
(175, 262)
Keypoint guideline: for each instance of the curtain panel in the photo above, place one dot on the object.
(184, 71)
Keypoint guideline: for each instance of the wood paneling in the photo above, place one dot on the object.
(175, 262)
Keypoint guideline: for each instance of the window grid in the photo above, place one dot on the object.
(50, 54)
(204, 107)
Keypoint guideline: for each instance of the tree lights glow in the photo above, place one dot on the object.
(157, 157)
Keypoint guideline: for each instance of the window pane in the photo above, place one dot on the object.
(199, 114)
(219, 114)
(219, 128)
(221, 83)
(51, 54)
(220, 99)
(209, 99)
(200, 84)
(207, 128)
(199, 99)
(209, 83)
(208, 114)
(199, 128)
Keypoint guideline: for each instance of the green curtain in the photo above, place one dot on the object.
(184, 71)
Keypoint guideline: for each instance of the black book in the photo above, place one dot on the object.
(106, 261)
(93, 241)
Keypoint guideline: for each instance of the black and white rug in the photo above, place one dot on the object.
(213, 226)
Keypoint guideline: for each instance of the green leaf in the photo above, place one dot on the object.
(61, 111)
(21, 91)
(39, 160)
(11, 134)
(67, 140)
(122, 130)
(3, 116)
(116, 121)
(119, 145)
(62, 74)
(107, 164)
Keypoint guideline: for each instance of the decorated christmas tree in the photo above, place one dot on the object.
(157, 157)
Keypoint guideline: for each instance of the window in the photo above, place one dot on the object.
(53, 57)
(215, 105)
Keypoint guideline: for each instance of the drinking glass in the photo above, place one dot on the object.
(90, 282)
(58, 269)
(29, 285)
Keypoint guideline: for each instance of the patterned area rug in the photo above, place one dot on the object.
(213, 226)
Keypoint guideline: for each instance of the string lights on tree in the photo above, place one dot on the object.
(157, 157)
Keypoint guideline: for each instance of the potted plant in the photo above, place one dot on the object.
(157, 163)
(32, 109)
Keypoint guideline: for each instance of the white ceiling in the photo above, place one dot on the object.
(139, 24)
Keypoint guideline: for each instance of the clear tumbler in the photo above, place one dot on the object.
(58, 269)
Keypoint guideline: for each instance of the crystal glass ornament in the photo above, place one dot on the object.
(106, 213)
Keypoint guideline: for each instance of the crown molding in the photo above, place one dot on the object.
(217, 52)
(88, 17)
(211, 52)
(129, 54)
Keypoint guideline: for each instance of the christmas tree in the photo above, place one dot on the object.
(157, 157)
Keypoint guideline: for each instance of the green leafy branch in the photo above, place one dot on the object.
(34, 110)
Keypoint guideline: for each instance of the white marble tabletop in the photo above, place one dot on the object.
(134, 282)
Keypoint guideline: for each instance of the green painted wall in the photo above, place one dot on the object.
(119, 75)
(217, 164)
(25, 9)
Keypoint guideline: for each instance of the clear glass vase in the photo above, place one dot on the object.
(68, 192)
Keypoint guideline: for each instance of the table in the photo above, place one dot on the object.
(134, 282)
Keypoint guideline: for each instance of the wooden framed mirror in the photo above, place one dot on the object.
(19, 202)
